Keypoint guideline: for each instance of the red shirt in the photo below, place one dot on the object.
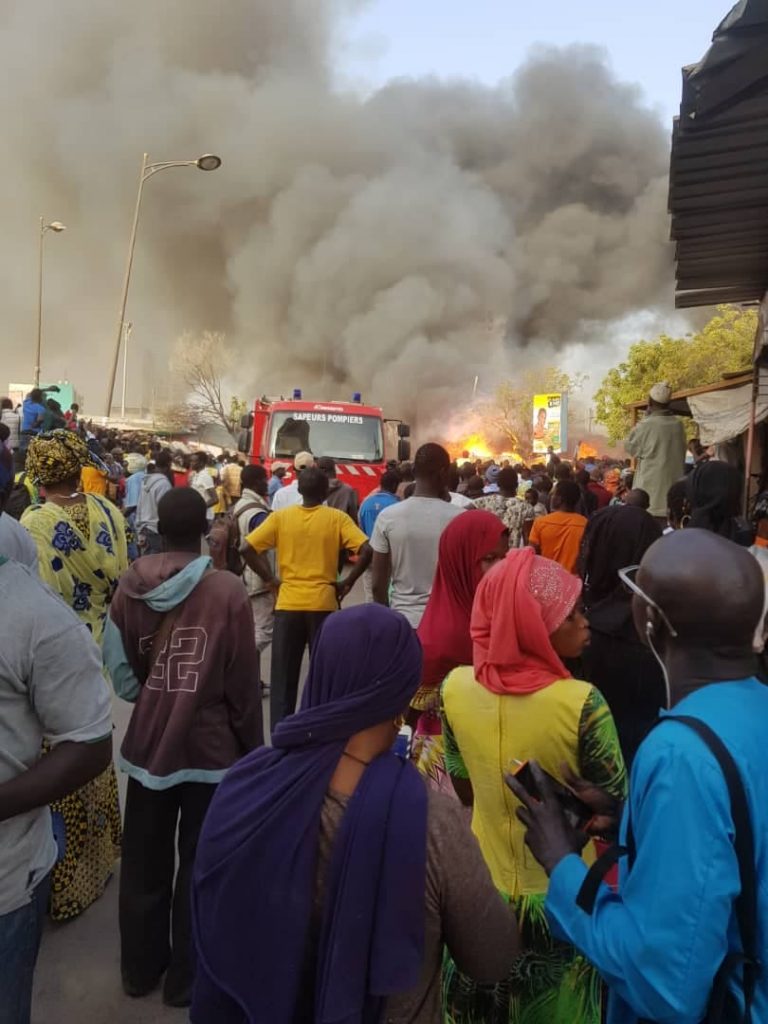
(603, 496)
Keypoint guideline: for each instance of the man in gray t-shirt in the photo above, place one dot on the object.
(16, 542)
(406, 537)
(52, 688)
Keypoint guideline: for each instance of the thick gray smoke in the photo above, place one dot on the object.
(345, 244)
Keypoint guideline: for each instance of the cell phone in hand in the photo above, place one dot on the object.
(403, 742)
(577, 813)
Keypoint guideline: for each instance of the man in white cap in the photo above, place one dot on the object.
(658, 445)
(289, 495)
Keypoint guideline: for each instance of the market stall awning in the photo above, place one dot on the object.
(724, 415)
(680, 404)
(721, 410)
(718, 195)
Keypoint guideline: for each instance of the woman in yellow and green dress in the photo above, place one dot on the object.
(82, 551)
(519, 703)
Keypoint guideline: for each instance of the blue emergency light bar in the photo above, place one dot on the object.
(297, 394)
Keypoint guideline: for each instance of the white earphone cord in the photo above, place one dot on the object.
(657, 656)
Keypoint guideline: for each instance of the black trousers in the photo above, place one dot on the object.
(292, 633)
(155, 920)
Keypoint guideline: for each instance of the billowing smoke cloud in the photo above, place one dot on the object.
(346, 244)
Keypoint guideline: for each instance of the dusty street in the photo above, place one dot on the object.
(78, 973)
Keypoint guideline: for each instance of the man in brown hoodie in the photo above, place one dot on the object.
(179, 643)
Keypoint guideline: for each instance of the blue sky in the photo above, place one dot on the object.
(647, 42)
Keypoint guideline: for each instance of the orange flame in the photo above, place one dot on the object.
(474, 445)
(587, 451)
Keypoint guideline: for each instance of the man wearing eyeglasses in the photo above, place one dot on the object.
(694, 898)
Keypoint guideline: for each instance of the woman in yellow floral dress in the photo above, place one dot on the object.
(82, 551)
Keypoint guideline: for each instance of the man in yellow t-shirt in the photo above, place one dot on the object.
(308, 539)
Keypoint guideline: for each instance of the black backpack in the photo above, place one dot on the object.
(18, 499)
(722, 1008)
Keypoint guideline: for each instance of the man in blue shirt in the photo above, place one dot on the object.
(32, 412)
(133, 485)
(660, 940)
(131, 501)
(377, 501)
(369, 512)
(279, 470)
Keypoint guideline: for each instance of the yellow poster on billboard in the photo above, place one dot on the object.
(550, 423)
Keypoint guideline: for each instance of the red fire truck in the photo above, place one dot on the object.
(355, 436)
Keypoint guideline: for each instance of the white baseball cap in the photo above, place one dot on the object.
(661, 393)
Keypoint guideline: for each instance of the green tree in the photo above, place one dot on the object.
(508, 414)
(724, 345)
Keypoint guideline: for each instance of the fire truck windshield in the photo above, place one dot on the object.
(340, 435)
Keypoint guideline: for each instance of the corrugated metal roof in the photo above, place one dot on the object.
(718, 189)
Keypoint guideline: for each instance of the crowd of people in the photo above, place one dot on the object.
(428, 832)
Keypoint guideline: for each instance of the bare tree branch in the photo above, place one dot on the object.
(179, 418)
(203, 363)
(508, 413)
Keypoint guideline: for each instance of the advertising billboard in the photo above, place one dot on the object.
(550, 423)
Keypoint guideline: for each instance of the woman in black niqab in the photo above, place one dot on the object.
(616, 661)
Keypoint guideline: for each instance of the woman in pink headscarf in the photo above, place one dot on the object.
(518, 703)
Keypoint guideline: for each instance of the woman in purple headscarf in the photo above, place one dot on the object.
(327, 878)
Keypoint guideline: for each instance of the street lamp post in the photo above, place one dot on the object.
(57, 227)
(126, 339)
(207, 162)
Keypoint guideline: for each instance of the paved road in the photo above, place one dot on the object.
(78, 973)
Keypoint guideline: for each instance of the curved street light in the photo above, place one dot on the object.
(57, 227)
(206, 162)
